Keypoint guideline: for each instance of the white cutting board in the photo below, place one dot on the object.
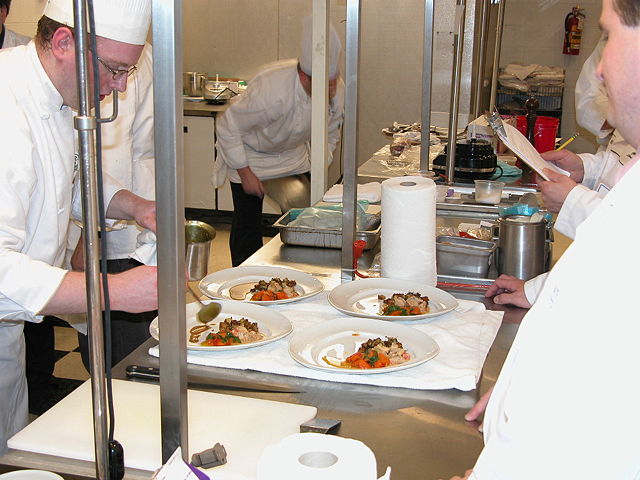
(245, 426)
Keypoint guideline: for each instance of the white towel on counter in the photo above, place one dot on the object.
(146, 251)
(464, 336)
(371, 192)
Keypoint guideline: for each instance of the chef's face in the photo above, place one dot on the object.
(3, 16)
(116, 57)
(619, 68)
(306, 82)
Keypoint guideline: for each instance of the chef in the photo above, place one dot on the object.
(264, 135)
(8, 38)
(37, 173)
(583, 329)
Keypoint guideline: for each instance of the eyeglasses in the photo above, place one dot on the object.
(117, 74)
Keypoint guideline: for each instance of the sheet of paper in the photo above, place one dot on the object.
(518, 144)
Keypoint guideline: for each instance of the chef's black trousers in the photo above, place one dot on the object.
(128, 330)
(246, 225)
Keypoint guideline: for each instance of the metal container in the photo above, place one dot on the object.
(322, 237)
(466, 257)
(522, 246)
(193, 84)
(198, 238)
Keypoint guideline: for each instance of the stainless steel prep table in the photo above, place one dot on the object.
(420, 434)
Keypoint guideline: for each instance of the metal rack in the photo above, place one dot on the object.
(510, 101)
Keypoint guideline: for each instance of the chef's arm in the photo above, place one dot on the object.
(134, 291)
(335, 120)
(125, 205)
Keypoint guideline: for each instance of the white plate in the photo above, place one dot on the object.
(30, 475)
(360, 298)
(273, 324)
(193, 99)
(342, 337)
(217, 285)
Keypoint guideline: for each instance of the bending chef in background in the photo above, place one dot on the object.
(546, 417)
(38, 170)
(263, 141)
(9, 38)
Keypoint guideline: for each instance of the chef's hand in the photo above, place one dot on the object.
(135, 290)
(467, 474)
(555, 191)
(128, 206)
(479, 408)
(508, 290)
(567, 161)
(250, 183)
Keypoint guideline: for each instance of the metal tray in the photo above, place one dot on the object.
(322, 237)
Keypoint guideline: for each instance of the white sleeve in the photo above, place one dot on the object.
(591, 97)
(247, 112)
(594, 164)
(26, 284)
(578, 205)
(533, 287)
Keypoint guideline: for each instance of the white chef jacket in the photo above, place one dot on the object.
(566, 402)
(128, 151)
(13, 39)
(268, 127)
(37, 171)
(591, 97)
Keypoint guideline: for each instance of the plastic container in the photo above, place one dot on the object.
(441, 193)
(544, 131)
(198, 238)
(488, 191)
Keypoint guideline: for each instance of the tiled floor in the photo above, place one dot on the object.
(69, 371)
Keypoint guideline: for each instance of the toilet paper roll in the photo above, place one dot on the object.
(408, 239)
(314, 456)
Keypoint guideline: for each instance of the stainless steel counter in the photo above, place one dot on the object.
(420, 434)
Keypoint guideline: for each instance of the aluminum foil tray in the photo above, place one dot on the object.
(322, 237)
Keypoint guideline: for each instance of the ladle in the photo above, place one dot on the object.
(208, 311)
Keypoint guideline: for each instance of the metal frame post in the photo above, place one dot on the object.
(168, 111)
(319, 99)
(350, 140)
(458, 43)
(86, 126)
(481, 53)
(427, 67)
(496, 53)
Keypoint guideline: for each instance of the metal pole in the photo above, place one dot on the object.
(482, 50)
(86, 126)
(352, 54)
(496, 53)
(458, 42)
(168, 109)
(319, 100)
(427, 67)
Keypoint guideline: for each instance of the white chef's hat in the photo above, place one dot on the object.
(121, 20)
(333, 48)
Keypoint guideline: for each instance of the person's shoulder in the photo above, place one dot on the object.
(274, 73)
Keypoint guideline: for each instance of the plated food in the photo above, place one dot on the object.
(242, 283)
(245, 325)
(361, 346)
(379, 298)
(228, 332)
(404, 304)
(375, 353)
(274, 289)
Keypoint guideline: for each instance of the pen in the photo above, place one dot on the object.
(569, 140)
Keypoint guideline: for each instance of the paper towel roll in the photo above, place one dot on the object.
(408, 248)
(313, 456)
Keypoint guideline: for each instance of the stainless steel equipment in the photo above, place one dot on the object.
(193, 84)
(466, 257)
(198, 237)
(217, 91)
(323, 237)
(522, 246)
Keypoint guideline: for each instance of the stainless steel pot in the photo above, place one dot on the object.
(522, 246)
(198, 238)
(193, 84)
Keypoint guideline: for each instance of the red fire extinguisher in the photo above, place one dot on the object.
(573, 24)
